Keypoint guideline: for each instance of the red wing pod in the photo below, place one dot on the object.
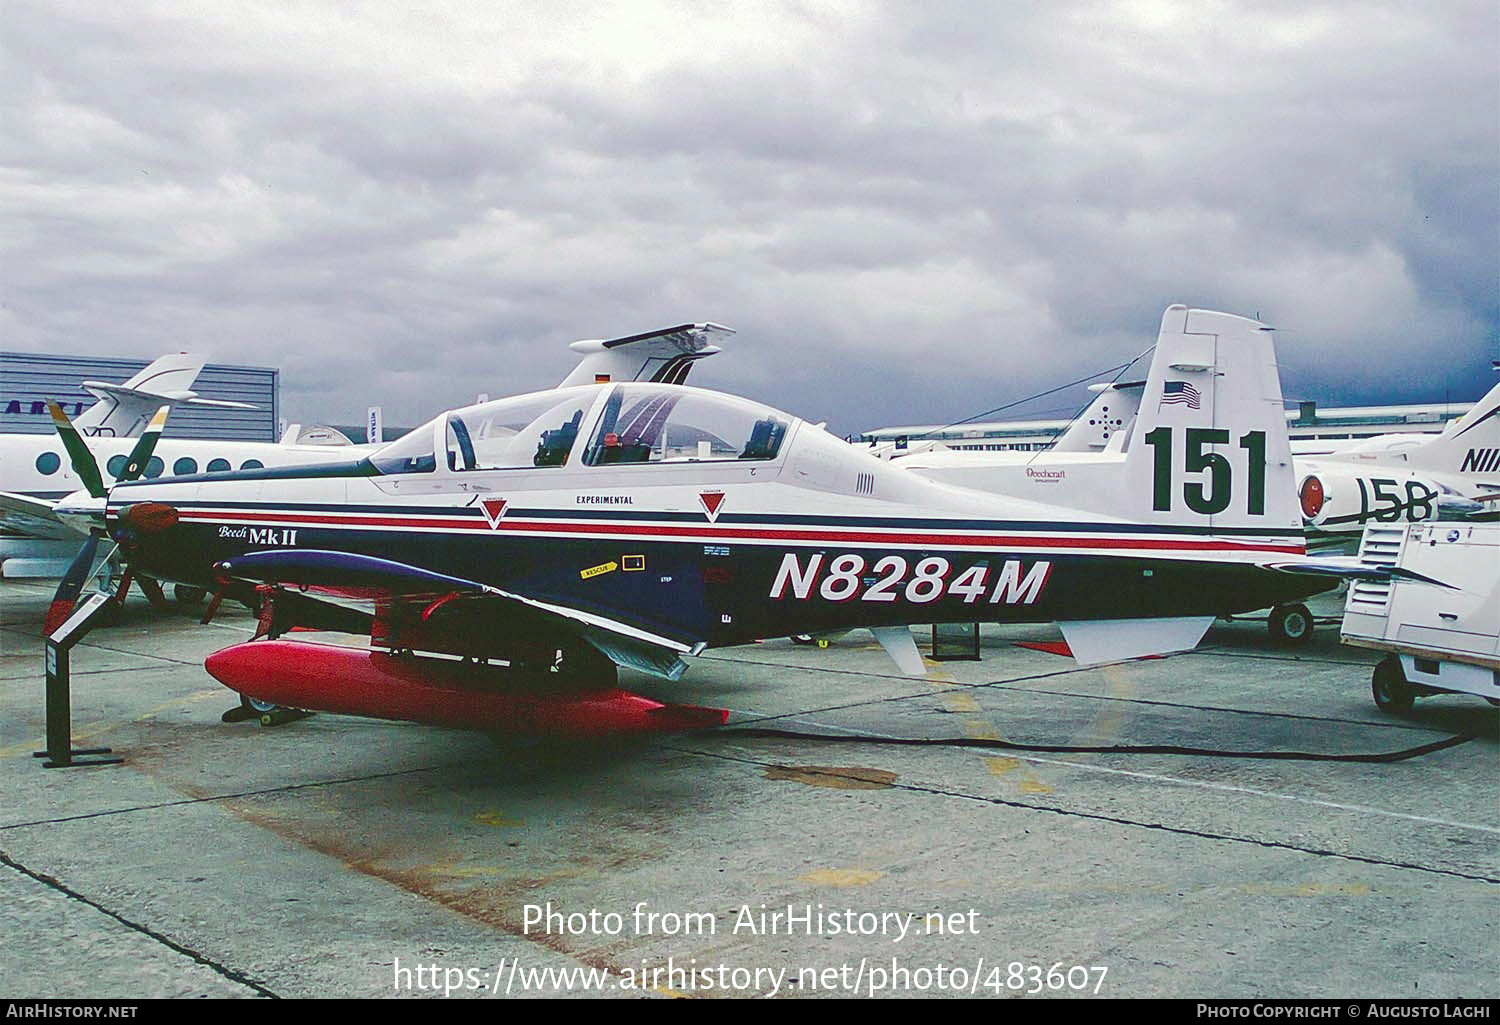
(356, 681)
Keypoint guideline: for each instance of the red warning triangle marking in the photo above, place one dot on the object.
(494, 508)
(711, 500)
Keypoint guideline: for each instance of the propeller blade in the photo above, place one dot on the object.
(71, 585)
(78, 452)
(141, 454)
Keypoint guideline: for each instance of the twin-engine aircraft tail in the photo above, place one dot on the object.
(1209, 446)
(122, 408)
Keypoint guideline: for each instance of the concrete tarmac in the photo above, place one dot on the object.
(340, 857)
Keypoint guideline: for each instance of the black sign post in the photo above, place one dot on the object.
(955, 642)
(60, 751)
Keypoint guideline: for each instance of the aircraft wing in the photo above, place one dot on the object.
(341, 577)
(32, 517)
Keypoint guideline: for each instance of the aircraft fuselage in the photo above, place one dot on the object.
(726, 553)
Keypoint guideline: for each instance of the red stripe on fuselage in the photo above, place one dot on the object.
(750, 534)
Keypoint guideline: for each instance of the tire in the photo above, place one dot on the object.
(1389, 687)
(186, 595)
(1291, 625)
(584, 667)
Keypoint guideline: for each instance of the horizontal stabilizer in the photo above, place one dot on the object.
(1097, 641)
(220, 403)
(663, 356)
(1352, 569)
(153, 399)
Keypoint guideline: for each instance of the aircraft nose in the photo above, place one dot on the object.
(1458, 506)
(148, 517)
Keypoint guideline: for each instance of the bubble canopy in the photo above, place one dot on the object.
(592, 425)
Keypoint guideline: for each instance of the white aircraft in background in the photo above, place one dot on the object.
(35, 471)
(1403, 478)
(32, 474)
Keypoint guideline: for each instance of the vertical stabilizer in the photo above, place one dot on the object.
(1209, 448)
(1105, 424)
(1470, 444)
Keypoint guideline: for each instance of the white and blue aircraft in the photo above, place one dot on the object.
(548, 538)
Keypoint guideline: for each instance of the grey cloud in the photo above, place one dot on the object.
(911, 214)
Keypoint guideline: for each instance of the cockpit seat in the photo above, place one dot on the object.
(554, 446)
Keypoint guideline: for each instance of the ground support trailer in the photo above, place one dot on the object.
(1439, 639)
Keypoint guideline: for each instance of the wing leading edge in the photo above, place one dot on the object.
(427, 598)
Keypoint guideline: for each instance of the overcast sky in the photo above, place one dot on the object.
(911, 213)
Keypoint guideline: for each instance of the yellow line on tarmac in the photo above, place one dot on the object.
(96, 729)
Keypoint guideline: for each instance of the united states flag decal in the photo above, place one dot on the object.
(1180, 392)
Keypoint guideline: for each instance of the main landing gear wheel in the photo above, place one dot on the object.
(282, 716)
(267, 712)
(1291, 625)
(583, 667)
(1389, 687)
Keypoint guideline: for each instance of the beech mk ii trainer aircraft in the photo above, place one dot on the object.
(527, 547)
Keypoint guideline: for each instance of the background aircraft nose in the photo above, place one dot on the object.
(81, 511)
